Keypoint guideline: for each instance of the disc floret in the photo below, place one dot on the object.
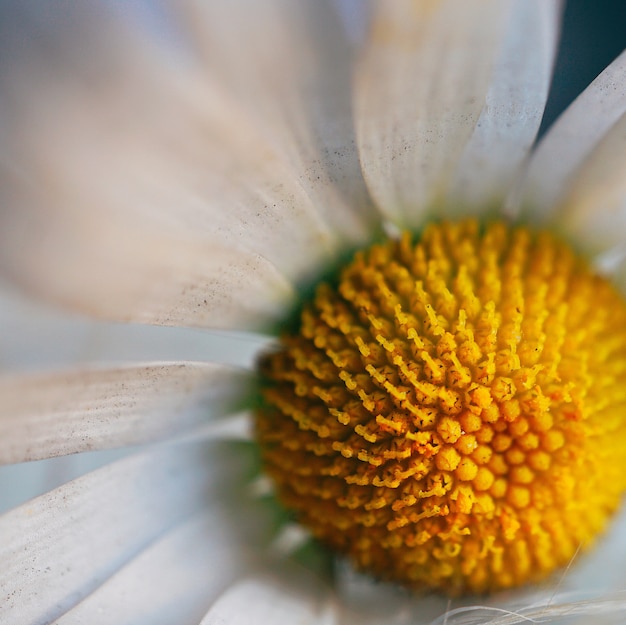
(451, 414)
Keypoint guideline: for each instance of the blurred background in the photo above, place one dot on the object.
(594, 33)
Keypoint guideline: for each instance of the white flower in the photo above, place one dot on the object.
(197, 178)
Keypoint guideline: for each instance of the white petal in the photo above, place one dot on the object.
(27, 480)
(174, 580)
(58, 548)
(367, 602)
(34, 336)
(509, 122)
(570, 141)
(145, 193)
(289, 63)
(419, 93)
(354, 15)
(593, 211)
(281, 600)
(54, 414)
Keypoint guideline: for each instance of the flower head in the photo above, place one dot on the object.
(206, 175)
(450, 415)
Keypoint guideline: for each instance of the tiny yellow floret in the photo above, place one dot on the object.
(451, 414)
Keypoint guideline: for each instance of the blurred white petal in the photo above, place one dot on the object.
(139, 190)
(58, 548)
(367, 602)
(418, 95)
(576, 181)
(555, 163)
(54, 414)
(280, 601)
(593, 211)
(173, 581)
(354, 15)
(508, 124)
(300, 100)
(27, 480)
(36, 337)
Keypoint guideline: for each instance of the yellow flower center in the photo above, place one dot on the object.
(452, 414)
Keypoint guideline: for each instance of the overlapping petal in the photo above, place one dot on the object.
(301, 101)
(58, 548)
(570, 141)
(575, 181)
(139, 189)
(419, 93)
(594, 208)
(58, 340)
(161, 587)
(508, 124)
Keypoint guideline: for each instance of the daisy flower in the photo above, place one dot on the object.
(440, 401)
